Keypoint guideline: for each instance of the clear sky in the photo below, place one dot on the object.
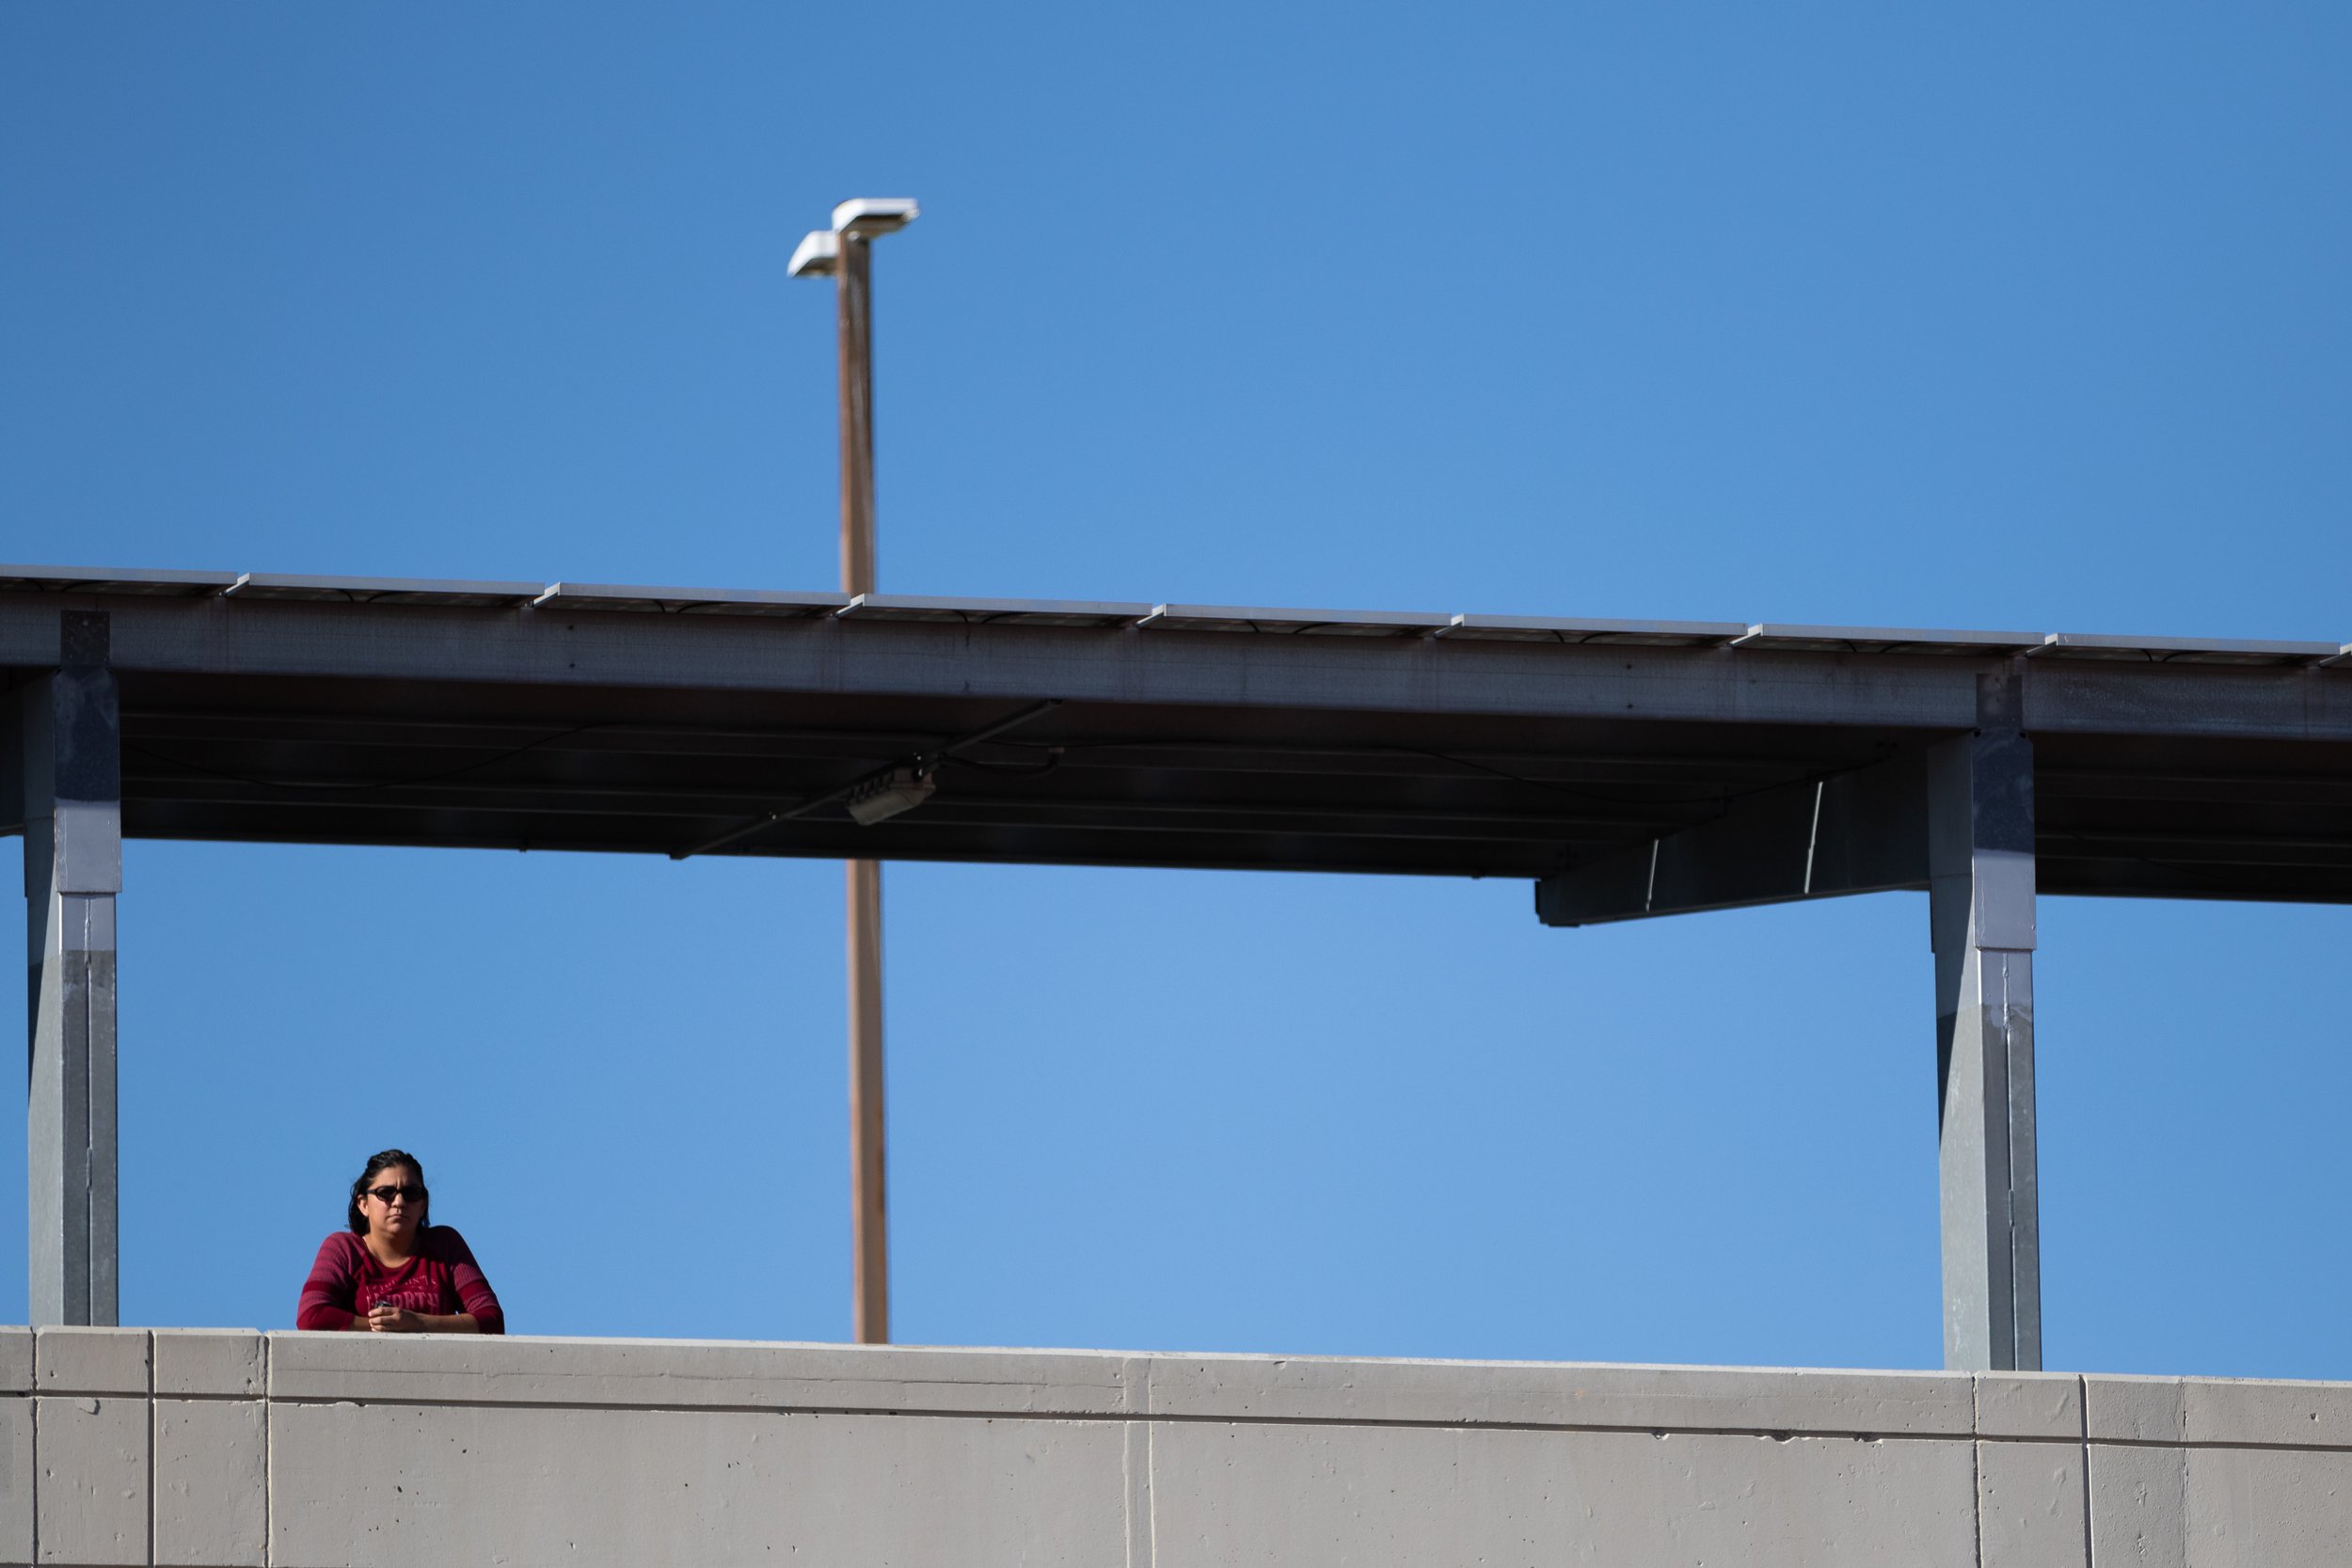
(2007, 316)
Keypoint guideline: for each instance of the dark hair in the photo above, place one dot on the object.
(376, 1164)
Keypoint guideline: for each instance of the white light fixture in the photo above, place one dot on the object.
(817, 254)
(890, 792)
(875, 214)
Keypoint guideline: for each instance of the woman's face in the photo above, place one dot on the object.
(392, 1203)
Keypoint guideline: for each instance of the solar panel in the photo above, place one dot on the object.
(1646, 634)
(687, 601)
(1392, 624)
(2184, 650)
(1884, 639)
(391, 591)
(1296, 622)
(106, 579)
(985, 613)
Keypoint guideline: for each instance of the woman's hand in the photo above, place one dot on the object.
(384, 1318)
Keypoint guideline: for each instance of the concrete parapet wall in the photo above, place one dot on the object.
(199, 1447)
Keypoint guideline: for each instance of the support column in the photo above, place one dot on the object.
(1981, 909)
(70, 750)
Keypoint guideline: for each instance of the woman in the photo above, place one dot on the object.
(392, 1273)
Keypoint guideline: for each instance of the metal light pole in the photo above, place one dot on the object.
(843, 252)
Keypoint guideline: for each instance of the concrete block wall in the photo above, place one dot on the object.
(187, 1447)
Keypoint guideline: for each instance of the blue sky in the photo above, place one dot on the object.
(2005, 317)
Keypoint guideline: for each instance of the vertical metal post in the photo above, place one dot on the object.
(853, 278)
(1981, 911)
(870, 1289)
(870, 1223)
(72, 759)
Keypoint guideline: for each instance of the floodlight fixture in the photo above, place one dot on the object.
(818, 255)
(875, 214)
(889, 792)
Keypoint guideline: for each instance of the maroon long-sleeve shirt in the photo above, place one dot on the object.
(441, 1277)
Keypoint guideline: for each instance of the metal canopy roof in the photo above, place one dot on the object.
(663, 720)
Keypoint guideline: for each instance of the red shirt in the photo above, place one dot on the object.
(441, 1277)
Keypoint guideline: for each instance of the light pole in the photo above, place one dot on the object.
(843, 253)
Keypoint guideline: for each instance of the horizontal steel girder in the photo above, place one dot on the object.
(559, 648)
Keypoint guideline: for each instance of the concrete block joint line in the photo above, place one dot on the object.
(239, 1448)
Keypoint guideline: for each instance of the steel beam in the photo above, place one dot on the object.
(560, 647)
(858, 658)
(70, 753)
(1859, 831)
(1981, 899)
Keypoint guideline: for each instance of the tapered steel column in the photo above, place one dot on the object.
(71, 779)
(1981, 909)
(869, 1226)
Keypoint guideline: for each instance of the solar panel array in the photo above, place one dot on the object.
(1398, 625)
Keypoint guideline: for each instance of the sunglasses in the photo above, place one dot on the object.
(386, 1193)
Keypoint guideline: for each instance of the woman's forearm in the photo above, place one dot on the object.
(415, 1323)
